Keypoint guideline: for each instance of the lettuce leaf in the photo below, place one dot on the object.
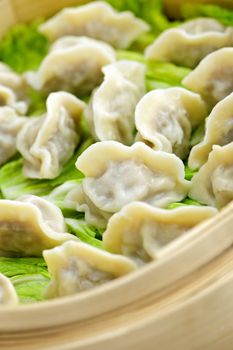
(189, 173)
(29, 276)
(223, 15)
(23, 47)
(85, 232)
(149, 10)
(11, 267)
(198, 134)
(30, 288)
(37, 105)
(185, 202)
(161, 73)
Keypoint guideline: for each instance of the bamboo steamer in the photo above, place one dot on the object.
(182, 302)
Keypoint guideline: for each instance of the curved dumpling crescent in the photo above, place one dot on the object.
(213, 183)
(29, 225)
(78, 200)
(76, 267)
(12, 90)
(12, 80)
(116, 175)
(193, 40)
(219, 131)
(164, 118)
(8, 294)
(140, 231)
(213, 77)
(110, 113)
(73, 64)
(97, 20)
(47, 142)
(10, 126)
(9, 98)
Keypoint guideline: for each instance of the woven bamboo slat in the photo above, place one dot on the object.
(182, 302)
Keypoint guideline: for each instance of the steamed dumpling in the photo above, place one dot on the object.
(97, 20)
(29, 225)
(193, 40)
(213, 183)
(47, 142)
(165, 118)
(110, 113)
(10, 126)
(8, 294)
(12, 90)
(213, 77)
(76, 267)
(116, 175)
(140, 231)
(12, 80)
(73, 64)
(219, 131)
(9, 98)
(77, 199)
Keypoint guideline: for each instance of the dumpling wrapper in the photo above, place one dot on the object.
(29, 225)
(110, 113)
(76, 267)
(213, 77)
(77, 199)
(97, 20)
(165, 117)
(73, 64)
(8, 294)
(9, 99)
(48, 142)
(213, 183)
(14, 94)
(193, 40)
(10, 126)
(116, 175)
(140, 231)
(218, 131)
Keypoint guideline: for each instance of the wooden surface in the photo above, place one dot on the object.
(183, 302)
(7, 16)
(26, 10)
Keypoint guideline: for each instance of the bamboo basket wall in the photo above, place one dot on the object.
(183, 302)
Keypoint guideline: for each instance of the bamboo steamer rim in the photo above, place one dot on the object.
(195, 272)
(187, 255)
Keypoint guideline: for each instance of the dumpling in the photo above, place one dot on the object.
(10, 126)
(213, 183)
(116, 175)
(77, 199)
(140, 231)
(76, 267)
(8, 294)
(164, 119)
(8, 98)
(12, 90)
(47, 142)
(213, 77)
(13, 81)
(219, 131)
(29, 225)
(73, 64)
(97, 20)
(110, 113)
(193, 40)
